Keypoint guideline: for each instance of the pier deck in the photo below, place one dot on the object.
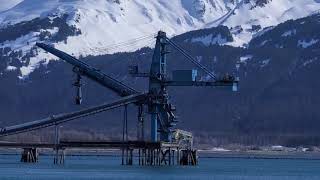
(90, 144)
(148, 153)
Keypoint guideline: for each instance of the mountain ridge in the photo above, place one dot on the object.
(103, 24)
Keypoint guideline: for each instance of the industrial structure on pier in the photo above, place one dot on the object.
(165, 140)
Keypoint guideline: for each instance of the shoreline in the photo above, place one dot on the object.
(260, 155)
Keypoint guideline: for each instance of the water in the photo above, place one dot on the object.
(104, 167)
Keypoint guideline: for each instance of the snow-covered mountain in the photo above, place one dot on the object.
(8, 4)
(252, 18)
(97, 27)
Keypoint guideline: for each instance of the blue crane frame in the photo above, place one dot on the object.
(156, 99)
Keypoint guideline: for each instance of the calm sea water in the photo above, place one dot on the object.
(103, 167)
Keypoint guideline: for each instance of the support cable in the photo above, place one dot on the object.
(131, 41)
(145, 43)
(190, 58)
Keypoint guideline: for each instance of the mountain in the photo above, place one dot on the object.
(98, 27)
(271, 45)
(5, 4)
(277, 101)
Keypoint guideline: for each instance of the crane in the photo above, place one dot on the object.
(156, 100)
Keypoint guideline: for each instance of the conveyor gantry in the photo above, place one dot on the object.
(157, 100)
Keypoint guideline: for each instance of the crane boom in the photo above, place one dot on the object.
(90, 72)
(65, 117)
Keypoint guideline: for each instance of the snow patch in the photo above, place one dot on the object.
(25, 44)
(245, 59)
(264, 42)
(289, 33)
(309, 61)
(271, 14)
(218, 149)
(11, 68)
(264, 63)
(306, 44)
(41, 58)
(53, 31)
(277, 148)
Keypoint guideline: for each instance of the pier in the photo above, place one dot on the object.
(166, 145)
(132, 152)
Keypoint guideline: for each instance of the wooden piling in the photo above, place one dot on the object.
(29, 155)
